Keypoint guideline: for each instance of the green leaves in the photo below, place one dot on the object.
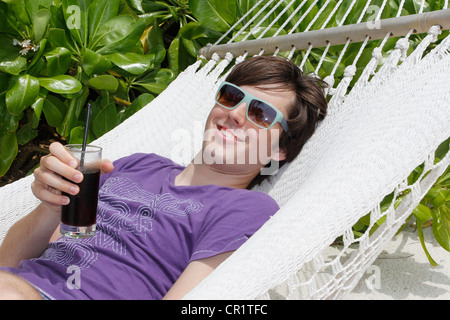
(218, 15)
(8, 122)
(422, 213)
(435, 206)
(156, 81)
(10, 60)
(178, 55)
(74, 13)
(54, 110)
(119, 33)
(58, 61)
(441, 225)
(137, 105)
(133, 63)
(14, 66)
(100, 12)
(67, 51)
(93, 62)
(413, 6)
(40, 23)
(104, 82)
(105, 120)
(8, 151)
(22, 92)
(61, 84)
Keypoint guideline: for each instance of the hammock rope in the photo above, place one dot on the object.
(391, 121)
(336, 277)
(395, 27)
(322, 277)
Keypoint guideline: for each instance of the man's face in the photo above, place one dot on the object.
(235, 144)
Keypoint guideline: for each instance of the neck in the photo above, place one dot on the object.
(198, 173)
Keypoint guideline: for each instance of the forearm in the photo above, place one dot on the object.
(30, 236)
(194, 273)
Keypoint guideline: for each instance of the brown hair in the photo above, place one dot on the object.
(310, 106)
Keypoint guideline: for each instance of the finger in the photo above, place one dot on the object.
(48, 195)
(106, 166)
(60, 152)
(47, 179)
(55, 165)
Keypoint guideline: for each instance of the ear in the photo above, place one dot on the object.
(279, 154)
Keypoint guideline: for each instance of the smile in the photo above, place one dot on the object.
(227, 134)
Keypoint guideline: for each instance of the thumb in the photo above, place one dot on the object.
(106, 166)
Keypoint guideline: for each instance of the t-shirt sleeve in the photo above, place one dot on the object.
(228, 226)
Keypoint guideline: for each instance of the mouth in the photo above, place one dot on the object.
(227, 133)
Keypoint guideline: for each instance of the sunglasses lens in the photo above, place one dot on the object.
(258, 112)
(261, 113)
(229, 96)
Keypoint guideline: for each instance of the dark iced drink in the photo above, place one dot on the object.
(82, 210)
(78, 218)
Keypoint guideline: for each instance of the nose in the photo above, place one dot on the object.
(237, 115)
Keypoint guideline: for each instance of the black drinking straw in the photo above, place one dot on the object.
(83, 148)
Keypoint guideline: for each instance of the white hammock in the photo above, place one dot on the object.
(369, 143)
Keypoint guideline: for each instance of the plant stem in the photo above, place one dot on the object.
(122, 102)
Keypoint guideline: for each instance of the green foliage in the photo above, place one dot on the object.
(190, 37)
(58, 55)
(435, 206)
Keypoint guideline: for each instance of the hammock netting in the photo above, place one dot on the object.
(379, 129)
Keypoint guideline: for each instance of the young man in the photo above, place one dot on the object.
(161, 227)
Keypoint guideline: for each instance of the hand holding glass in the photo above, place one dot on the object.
(78, 218)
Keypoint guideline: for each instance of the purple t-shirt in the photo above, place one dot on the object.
(148, 230)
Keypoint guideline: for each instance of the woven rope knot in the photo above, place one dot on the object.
(215, 57)
(402, 44)
(435, 31)
(350, 71)
(240, 59)
(377, 53)
(229, 56)
(329, 80)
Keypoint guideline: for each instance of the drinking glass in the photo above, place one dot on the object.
(78, 218)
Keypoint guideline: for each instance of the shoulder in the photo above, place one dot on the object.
(235, 216)
(255, 199)
(138, 161)
(139, 165)
(247, 205)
